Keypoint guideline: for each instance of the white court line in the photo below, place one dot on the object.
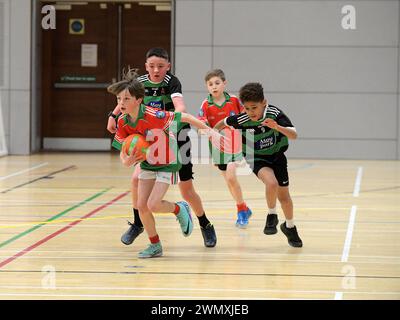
(352, 219)
(23, 171)
(350, 227)
(119, 296)
(169, 289)
(357, 184)
(184, 254)
(249, 259)
(338, 295)
(184, 297)
(349, 234)
(195, 289)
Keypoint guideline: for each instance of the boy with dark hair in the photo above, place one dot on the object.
(265, 133)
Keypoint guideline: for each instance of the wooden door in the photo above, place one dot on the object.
(75, 101)
(144, 28)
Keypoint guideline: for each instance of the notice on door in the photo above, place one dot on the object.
(89, 55)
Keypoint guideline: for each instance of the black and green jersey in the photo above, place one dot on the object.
(260, 141)
(159, 95)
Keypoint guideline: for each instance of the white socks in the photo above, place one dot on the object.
(290, 223)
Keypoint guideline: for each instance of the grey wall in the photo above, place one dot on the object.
(15, 66)
(340, 87)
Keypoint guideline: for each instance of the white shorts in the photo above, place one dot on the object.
(159, 176)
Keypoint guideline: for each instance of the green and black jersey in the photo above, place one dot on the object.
(159, 95)
(259, 141)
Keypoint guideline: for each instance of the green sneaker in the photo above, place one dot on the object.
(152, 251)
(185, 219)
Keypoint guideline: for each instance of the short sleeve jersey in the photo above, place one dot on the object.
(211, 113)
(159, 95)
(259, 140)
(159, 128)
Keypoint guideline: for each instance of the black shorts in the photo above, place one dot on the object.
(184, 144)
(279, 165)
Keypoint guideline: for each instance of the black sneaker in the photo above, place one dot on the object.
(209, 236)
(131, 234)
(292, 236)
(270, 225)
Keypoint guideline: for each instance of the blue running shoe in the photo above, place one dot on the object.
(243, 218)
(152, 251)
(185, 219)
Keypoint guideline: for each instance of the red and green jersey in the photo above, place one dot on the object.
(211, 113)
(159, 127)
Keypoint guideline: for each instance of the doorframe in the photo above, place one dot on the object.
(173, 32)
(37, 140)
(36, 79)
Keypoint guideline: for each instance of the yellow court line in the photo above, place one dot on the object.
(60, 220)
(228, 211)
(222, 211)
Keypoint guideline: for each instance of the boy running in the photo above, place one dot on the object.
(163, 91)
(156, 175)
(219, 105)
(265, 133)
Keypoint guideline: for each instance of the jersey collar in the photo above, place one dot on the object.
(148, 79)
(128, 119)
(210, 100)
(265, 113)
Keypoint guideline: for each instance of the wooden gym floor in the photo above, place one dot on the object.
(62, 215)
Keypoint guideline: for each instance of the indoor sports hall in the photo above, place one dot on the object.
(65, 197)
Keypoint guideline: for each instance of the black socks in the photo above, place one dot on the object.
(136, 220)
(203, 221)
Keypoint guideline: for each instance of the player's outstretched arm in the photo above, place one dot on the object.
(220, 125)
(221, 142)
(179, 104)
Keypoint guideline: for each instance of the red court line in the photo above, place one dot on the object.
(73, 223)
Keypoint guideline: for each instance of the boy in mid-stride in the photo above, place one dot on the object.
(218, 105)
(163, 91)
(265, 133)
(159, 169)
